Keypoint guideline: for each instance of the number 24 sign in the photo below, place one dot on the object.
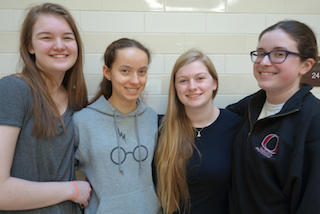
(313, 76)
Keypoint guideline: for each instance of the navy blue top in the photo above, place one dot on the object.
(209, 177)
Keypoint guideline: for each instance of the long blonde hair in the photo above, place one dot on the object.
(45, 111)
(176, 142)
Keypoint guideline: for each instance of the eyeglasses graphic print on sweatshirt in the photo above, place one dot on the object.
(124, 154)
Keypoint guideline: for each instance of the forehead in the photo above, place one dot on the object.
(192, 68)
(277, 39)
(51, 22)
(131, 55)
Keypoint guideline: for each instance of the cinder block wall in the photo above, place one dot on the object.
(227, 30)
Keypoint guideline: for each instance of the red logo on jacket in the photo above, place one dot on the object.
(265, 150)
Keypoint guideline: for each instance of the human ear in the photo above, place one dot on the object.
(215, 85)
(307, 66)
(31, 50)
(106, 72)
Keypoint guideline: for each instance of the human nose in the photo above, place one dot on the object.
(59, 45)
(192, 85)
(134, 79)
(266, 60)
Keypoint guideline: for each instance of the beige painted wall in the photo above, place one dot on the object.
(226, 30)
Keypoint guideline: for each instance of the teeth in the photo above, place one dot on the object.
(193, 96)
(59, 56)
(132, 89)
(266, 74)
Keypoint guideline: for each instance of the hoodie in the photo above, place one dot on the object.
(115, 152)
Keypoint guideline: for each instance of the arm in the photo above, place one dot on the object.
(19, 194)
(310, 179)
(239, 108)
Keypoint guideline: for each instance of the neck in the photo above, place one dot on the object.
(276, 97)
(125, 108)
(202, 117)
(53, 82)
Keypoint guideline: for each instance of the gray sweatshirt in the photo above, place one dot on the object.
(115, 151)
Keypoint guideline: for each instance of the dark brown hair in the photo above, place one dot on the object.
(110, 56)
(302, 34)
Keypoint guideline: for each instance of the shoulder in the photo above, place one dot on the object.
(310, 105)
(82, 114)
(14, 89)
(229, 116)
(241, 106)
(151, 111)
(143, 109)
(13, 82)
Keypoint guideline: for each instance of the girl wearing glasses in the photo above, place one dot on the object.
(117, 135)
(276, 153)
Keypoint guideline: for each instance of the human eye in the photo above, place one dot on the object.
(200, 78)
(182, 81)
(279, 54)
(68, 35)
(259, 53)
(124, 71)
(143, 72)
(45, 38)
(69, 38)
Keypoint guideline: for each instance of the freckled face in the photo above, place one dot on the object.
(128, 75)
(53, 44)
(194, 85)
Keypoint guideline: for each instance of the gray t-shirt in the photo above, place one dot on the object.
(41, 160)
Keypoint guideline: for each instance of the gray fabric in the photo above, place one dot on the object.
(100, 134)
(40, 160)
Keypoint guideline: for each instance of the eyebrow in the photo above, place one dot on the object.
(127, 66)
(201, 73)
(276, 48)
(47, 32)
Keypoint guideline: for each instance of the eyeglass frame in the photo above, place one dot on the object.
(268, 54)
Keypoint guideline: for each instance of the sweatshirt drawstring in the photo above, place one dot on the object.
(137, 133)
(118, 141)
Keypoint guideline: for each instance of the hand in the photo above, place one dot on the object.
(84, 192)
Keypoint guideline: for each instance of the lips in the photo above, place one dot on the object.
(267, 73)
(59, 56)
(193, 95)
(132, 89)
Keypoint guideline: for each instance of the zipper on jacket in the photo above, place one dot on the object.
(271, 116)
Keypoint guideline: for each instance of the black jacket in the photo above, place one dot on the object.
(276, 166)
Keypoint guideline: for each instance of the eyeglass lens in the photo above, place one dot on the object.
(277, 56)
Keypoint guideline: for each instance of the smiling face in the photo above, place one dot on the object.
(194, 85)
(53, 44)
(128, 76)
(283, 78)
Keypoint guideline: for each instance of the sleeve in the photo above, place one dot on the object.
(79, 161)
(15, 101)
(239, 108)
(310, 180)
(76, 143)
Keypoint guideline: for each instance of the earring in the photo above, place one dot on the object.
(109, 80)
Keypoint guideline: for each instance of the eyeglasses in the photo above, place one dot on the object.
(276, 56)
